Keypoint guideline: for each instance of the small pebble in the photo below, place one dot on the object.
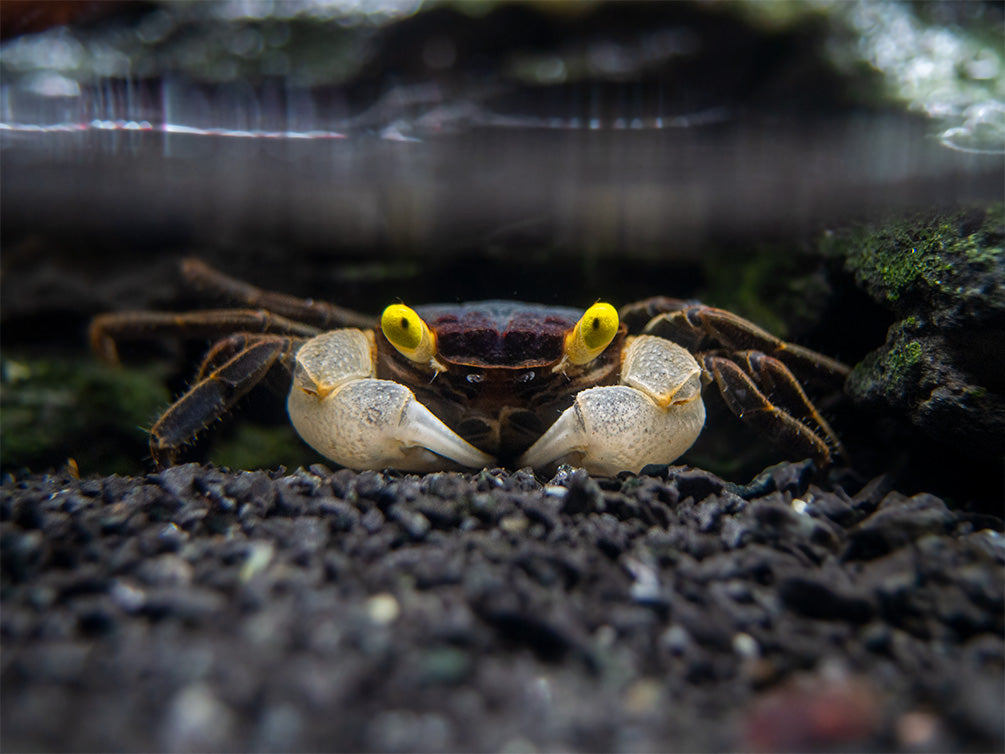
(746, 646)
(917, 730)
(259, 556)
(382, 608)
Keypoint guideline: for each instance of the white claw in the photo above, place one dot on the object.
(653, 418)
(375, 424)
(420, 428)
(344, 413)
(617, 428)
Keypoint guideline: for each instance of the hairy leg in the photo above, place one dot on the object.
(215, 392)
(107, 329)
(321, 314)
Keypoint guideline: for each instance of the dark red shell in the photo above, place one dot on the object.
(499, 333)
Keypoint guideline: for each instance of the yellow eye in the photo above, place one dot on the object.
(592, 334)
(406, 331)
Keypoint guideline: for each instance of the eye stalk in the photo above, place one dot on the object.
(410, 335)
(592, 334)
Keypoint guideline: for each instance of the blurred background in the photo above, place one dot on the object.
(365, 151)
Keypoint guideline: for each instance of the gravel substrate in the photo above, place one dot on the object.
(202, 609)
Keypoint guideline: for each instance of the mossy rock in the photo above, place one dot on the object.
(943, 364)
(54, 410)
(948, 268)
(924, 375)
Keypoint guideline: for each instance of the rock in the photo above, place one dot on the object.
(817, 599)
(943, 364)
(819, 712)
(636, 615)
(898, 522)
(935, 380)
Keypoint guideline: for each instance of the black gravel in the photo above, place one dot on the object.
(201, 609)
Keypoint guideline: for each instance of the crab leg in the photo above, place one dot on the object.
(787, 422)
(210, 397)
(694, 326)
(106, 329)
(321, 314)
(224, 350)
(636, 315)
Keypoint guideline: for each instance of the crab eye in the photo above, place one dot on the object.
(405, 330)
(592, 334)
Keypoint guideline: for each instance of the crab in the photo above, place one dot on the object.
(493, 382)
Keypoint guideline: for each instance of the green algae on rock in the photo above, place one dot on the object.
(948, 266)
(943, 364)
(68, 408)
(920, 374)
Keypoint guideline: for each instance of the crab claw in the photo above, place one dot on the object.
(376, 424)
(344, 413)
(616, 428)
(653, 418)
